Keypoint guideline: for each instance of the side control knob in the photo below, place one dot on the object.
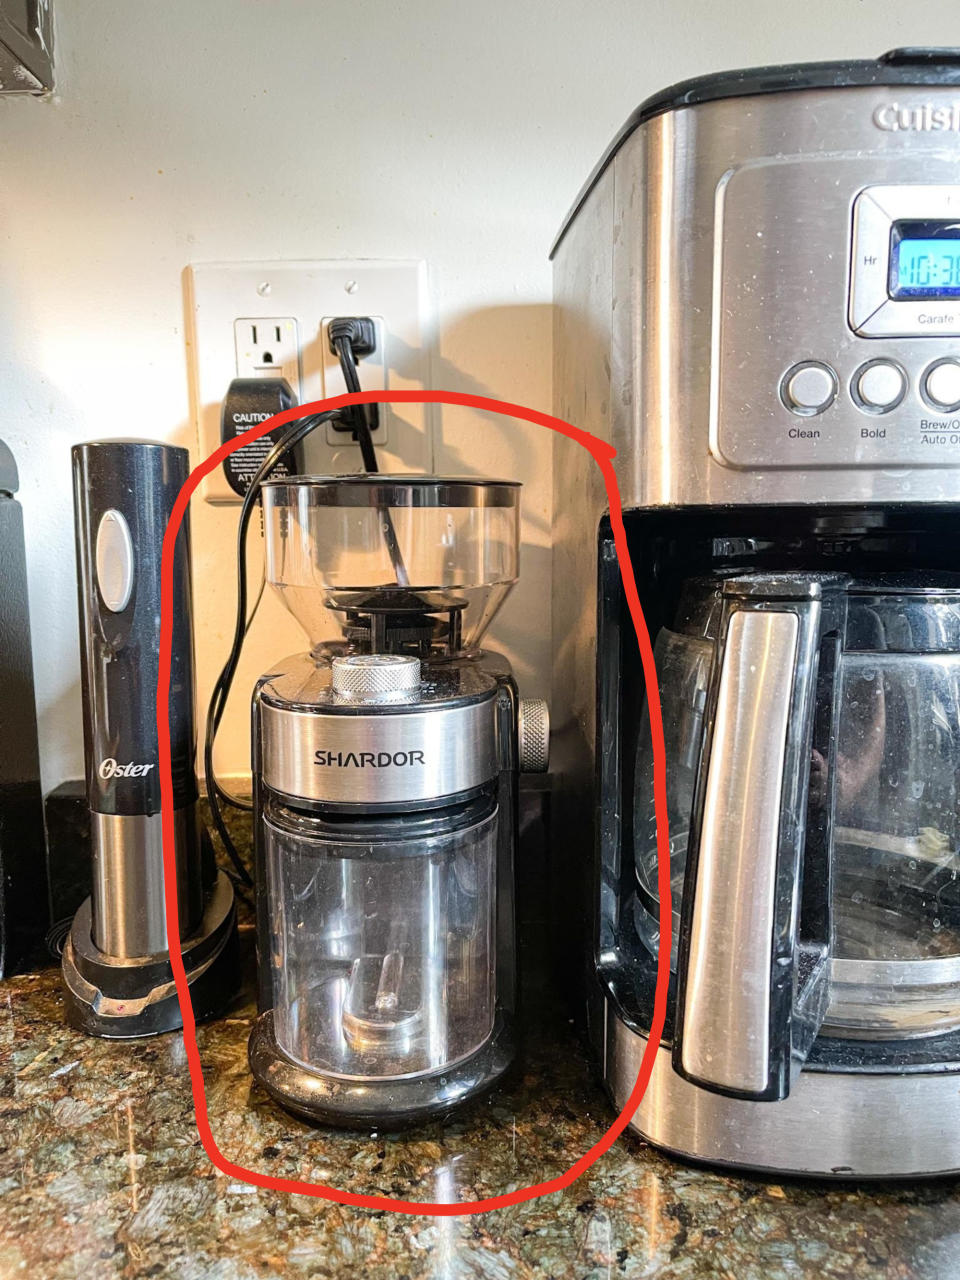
(941, 385)
(533, 735)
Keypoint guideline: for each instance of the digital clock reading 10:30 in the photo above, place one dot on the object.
(925, 260)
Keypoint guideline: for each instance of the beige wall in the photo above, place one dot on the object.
(198, 130)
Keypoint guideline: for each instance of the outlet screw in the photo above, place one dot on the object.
(351, 286)
(263, 288)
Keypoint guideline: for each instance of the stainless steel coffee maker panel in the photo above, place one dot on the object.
(833, 1124)
(730, 232)
(792, 380)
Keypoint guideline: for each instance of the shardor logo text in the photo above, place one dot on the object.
(922, 117)
(110, 769)
(367, 759)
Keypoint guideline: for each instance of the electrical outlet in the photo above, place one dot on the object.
(268, 348)
(225, 302)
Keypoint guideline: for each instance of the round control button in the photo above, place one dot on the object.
(941, 385)
(879, 386)
(809, 388)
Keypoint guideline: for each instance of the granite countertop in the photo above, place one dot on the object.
(102, 1175)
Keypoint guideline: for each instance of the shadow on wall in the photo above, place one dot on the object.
(40, 428)
(513, 346)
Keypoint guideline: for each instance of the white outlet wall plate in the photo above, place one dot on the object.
(308, 294)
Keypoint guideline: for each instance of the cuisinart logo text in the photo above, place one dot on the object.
(922, 117)
(367, 759)
(110, 769)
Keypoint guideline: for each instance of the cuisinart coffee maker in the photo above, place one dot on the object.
(758, 300)
(385, 768)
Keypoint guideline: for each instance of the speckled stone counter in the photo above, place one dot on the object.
(102, 1174)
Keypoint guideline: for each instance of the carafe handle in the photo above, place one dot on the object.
(753, 957)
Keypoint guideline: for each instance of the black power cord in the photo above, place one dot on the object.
(224, 682)
(224, 796)
(350, 338)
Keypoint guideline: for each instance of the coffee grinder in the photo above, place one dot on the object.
(385, 767)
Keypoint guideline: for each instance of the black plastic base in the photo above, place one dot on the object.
(126, 999)
(385, 1105)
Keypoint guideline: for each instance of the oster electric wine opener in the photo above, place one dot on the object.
(116, 963)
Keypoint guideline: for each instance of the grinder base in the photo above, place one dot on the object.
(387, 1104)
(127, 998)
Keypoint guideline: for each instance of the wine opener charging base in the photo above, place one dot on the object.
(132, 997)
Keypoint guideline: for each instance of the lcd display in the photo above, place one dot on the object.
(925, 260)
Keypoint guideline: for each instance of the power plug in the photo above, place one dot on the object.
(359, 331)
(249, 401)
(351, 338)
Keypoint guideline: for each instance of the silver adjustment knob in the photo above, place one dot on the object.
(375, 677)
(533, 735)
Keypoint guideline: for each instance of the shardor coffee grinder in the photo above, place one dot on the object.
(758, 302)
(385, 766)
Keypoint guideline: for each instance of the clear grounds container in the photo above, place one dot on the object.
(895, 834)
(348, 548)
(383, 943)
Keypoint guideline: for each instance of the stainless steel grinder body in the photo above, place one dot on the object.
(385, 808)
(732, 318)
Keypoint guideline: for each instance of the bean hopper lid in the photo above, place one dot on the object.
(392, 563)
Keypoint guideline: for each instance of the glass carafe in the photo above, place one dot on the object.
(888, 774)
(895, 969)
(684, 658)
